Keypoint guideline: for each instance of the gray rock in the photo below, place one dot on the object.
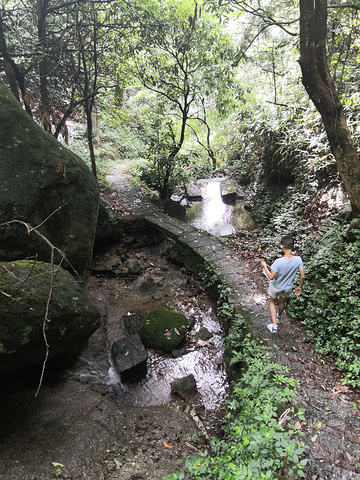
(204, 334)
(192, 321)
(228, 188)
(134, 266)
(185, 387)
(180, 352)
(72, 316)
(193, 191)
(43, 182)
(148, 287)
(218, 361)
(133, 322)
(130, 357)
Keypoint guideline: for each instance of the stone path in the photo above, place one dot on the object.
(200, 246)
(332, 430)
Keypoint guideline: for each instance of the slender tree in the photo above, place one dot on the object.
(183, 58)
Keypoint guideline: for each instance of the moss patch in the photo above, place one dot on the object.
(163, 329)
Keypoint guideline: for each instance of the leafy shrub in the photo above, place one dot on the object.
(330, 304)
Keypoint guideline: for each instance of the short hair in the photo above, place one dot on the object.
(287, 242)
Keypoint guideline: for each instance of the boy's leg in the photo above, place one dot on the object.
(273, 309)
(281, 305)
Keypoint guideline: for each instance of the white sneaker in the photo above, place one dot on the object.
(272, 327)
(278, 318)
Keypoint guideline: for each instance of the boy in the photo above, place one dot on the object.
(281, 275)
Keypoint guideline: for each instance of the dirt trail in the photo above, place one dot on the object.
(332, 411)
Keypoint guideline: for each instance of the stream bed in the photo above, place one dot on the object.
(159, 284)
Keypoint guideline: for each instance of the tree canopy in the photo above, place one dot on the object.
(204, 62)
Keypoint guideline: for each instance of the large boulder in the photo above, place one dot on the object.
(25, 288)
(43, 183)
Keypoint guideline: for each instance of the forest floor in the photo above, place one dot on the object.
(75, 431)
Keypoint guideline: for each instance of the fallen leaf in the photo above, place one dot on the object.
(349, 457)
(167, 445)
(298, 425)
(322, 386)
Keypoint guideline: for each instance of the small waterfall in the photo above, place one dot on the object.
(212, 214)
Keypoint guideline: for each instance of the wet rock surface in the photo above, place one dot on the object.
(86, 423)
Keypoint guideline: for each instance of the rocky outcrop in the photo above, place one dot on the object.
(44, 185)
(69, 319)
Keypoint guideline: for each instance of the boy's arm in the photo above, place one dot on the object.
(270, 273)
(302, 279)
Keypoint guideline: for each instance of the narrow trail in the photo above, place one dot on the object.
(332, 411)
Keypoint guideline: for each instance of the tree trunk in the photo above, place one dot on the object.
(321, 89)
(42, 6)
(88, 109)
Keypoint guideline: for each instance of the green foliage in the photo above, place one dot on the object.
(330, 303)
(255, 444)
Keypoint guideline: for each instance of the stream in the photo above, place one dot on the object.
(164, 284)
(218, 215)
(160, 284)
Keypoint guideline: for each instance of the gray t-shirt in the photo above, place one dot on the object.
(285, 269)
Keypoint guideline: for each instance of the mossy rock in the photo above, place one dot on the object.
(24, 294)
(164, 329)
(41, 179)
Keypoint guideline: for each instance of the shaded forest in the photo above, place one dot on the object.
(267, 92)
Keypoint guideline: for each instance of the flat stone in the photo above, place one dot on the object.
(193, 191)
(228, 188)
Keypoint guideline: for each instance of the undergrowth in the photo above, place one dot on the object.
(260, 440)
(330, 303)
